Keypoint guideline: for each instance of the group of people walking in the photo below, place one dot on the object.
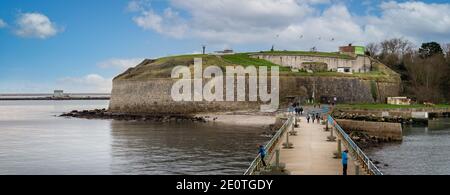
(314, 117)
(296, 109)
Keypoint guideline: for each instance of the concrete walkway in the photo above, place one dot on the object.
(312, 153)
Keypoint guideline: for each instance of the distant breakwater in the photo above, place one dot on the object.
(53, 98)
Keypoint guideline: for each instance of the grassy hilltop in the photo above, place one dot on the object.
(162, 67)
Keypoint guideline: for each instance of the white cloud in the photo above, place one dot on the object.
(169, 23)
(92, 83)
(121, 64)
(297, 24)
(415, 20)
(2, 23)
(35, 25)
(323, 32)
(315, 1)
(138, 5)
(220, 15)
(251, 17)
(220, 22)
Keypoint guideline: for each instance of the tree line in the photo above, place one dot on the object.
(425, 71)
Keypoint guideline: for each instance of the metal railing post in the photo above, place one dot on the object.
(331, 138)
(293, 132)
(357, 168)
(277, 158)
(287, 144)
(327, 128)
(339, 149)
(296, 121)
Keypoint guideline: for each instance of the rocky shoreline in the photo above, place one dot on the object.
(105, 114)
(267, 130)
(365, 141)
(374, 118)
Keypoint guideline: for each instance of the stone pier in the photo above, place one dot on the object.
(312, 153)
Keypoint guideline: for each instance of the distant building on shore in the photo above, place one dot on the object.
(399, 101)
(58, 93)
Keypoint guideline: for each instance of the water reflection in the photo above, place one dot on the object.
(424, 151)
(182, 148)
(34, 141)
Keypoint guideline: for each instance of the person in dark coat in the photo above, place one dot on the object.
(262, 153)
(318, 118)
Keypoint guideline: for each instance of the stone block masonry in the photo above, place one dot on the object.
(381, 130)
(153, 96)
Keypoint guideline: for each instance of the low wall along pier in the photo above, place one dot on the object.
(381, 130)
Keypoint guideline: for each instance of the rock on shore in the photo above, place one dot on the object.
(104, 114)
(355, 115)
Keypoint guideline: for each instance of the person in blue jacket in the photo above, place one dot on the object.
(345, 161)
(262, 153)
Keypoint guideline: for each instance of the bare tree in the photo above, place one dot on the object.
(396, 46)
(427, 76)
(424, 78)
(446, 48)
(393, 51)
(373, 49)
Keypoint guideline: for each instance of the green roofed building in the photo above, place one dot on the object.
(360, 50)
(352, 50)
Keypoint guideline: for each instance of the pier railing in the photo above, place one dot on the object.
(270, 147)
(370, 167)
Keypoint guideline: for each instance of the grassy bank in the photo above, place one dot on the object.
(245, 60)
(162, 67)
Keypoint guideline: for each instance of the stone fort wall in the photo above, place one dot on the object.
(358, 64)
(153, 96)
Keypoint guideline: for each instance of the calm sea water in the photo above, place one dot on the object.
(34, 141)
(424, 151)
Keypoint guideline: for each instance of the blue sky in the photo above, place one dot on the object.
(80, 45)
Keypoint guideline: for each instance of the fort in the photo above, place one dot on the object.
(347, 76)
(349, 59)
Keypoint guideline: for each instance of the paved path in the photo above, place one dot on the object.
(312, 153)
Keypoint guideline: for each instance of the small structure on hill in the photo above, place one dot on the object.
(224, 52)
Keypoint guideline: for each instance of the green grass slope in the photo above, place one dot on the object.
(162, 67)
